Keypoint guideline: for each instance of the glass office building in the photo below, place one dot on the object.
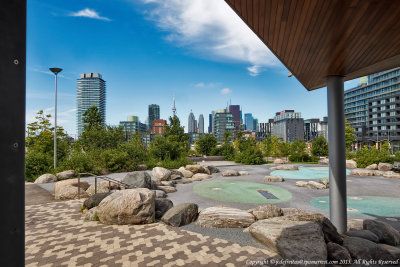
(154, 114)
(222, 122)
(364, 104)
(91, 92)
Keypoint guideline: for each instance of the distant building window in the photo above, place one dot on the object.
(392, 106)
(392, 99)
(375, 128)
(392, 127)
(374, 110)
(383, 128)
(383, 101)
(393, 113)
(383, 108)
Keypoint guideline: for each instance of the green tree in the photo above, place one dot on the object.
(92, 118)
(276, 146)
(206, 144)
(319, 147)
(350, 137)
(298, 151)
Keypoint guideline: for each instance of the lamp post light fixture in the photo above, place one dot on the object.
(55, 71)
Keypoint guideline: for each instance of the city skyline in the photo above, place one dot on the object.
(146, 63)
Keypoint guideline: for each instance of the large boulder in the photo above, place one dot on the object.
(70, 192)
(160, 194)
(94, 200)
(185, 173)
(385, 166)
(200, 176)
(162, 205)
(46, 178)
(386, 233)
(324, 181)
(70, 182)
(230, 173)
(184, 181)
(224, 217)
(351, 164)
(311, 185)
(287, 167)
(393, 251)
(372, 167)
(100, 189)
(138, 179)
(181, 214)
(364, 249)
(391, 174)
(293, 211)
(167, 189)
(65, 175)
(379, 173)
(266, 211)
(195, 169)
(273, 179)
(324, 161)
(110, 185)
(328, 229)
(142, 167)
(167, 183)
(280, 161)
(362, 172)
(337, 253)
(355, 224)
(176, 176)
(293, 240)
(161, 173)
(212, 169)
(366, 234)
(130, 206)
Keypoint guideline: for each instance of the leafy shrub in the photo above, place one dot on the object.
(250, 157)
(36, 164)
(80, 162)
(367, 156)
(116, 160)
(319, 147)
(206, 144)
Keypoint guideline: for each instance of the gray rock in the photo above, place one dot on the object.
(351, 164)
(176, 176)
(184, 181)
(355, 224)
(385, 166)
(372, 167)
(65, 175)
(94, 200)
(200, 177)
(181, 214)
(46, 178)
(212, 169)
(224, 217)
(185, 173)
(364, 249)
(142, 167)
(70, 182)
(366, 234)
(138, 179)
(386, 233)
(91, 215)
(195, 169)
(167, 183)
(329, 230)
(391, 174)
(337, 253)
(379, 173)
(323, 162)
(280, 161)
(362, 172)
(167, 189)
(293, 211)
(273, 179)
(266, 211)
(70, 192)
(293, 240)
(243, 173)
(310, 184)
(162, 205)
(393, 251)
(287, 167)
(130, 206)
(161, 173)
(100, 189)
(324, 181)
(230, 173)
(160, 194)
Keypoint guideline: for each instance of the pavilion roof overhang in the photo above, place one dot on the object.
(319, 38)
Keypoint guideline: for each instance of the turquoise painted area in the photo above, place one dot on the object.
(305, 173)
(240, 192)
(366, 205)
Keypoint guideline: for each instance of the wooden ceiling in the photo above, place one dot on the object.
(318, 38)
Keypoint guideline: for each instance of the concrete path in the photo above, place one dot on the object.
(35, 194)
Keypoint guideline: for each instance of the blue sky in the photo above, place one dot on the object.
(150, 50)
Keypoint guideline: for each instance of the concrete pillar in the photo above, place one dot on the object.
(12, 141)
(337, 153)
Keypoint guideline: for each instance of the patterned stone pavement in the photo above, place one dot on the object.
(56, 235)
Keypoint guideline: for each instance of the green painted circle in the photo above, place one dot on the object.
(366, 205)
(240, 192)
(304, 173)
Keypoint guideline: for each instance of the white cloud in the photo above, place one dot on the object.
(226, 91)
(213, 29)
(88, 13)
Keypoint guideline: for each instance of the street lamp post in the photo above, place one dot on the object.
(55, 71)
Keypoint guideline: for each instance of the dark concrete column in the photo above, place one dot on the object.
(337, 153)
(12, 141)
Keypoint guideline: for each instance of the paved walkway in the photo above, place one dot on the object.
(56, 235)
(35, 194)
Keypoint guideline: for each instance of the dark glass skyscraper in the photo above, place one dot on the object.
(191, 123)
(201, 124)
(235, 110)
(210, 119)
(91, 91)
(154, 114)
